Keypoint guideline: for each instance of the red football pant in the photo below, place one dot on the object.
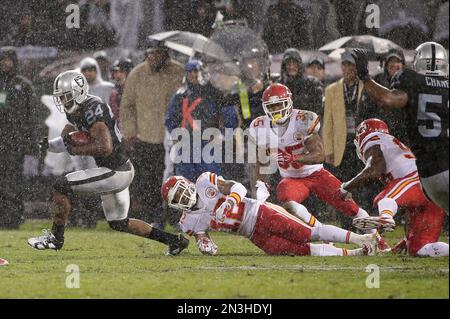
(425, 217)
(277, 232)
(322, 183)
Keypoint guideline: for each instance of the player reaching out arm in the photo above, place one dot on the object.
(216, 204)
(389, 160)
(423, 93)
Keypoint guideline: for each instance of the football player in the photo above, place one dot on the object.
(388, 159)
(423, 94)
(213, 203)
(110, 180)
(299, 152)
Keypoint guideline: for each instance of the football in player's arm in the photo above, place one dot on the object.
(93, 131)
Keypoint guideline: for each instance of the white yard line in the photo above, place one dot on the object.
(317, 268)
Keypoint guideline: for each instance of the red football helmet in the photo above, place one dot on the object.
(277, 94)
(365, 128)
(179, 185)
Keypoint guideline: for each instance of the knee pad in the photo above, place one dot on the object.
(119, 225)
(62, 186)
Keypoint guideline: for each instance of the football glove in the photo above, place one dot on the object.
(222, 211)
(207, 246)
(362, 63)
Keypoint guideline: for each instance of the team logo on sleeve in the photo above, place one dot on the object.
(211, 192)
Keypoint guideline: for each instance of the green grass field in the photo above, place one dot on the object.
(114, 265)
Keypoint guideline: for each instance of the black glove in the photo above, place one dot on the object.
(68, 143)
(43, 147)
(362, 63)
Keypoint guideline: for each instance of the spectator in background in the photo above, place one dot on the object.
(440, 28)
(97, 86)
(19, 129)
(103, 63)
(306, 92)
(193, 102)
(316, 69)
(119, 73)
(286, 27)
(99, 31)
(346, 105)
(148, 90)
(25, 32)
(396, 119)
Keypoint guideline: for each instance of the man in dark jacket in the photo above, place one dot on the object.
(306, 91)
(396, 119)
(18, 137)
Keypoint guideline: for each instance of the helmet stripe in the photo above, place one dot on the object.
(433, 57)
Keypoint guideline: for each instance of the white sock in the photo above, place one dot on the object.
(329, 250)
(387, 208)
(438, 249)
(361, 213)
(301, 212)
(334, 234)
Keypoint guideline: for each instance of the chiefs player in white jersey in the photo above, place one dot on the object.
(299, 152)
(213, 203)
(388, 159)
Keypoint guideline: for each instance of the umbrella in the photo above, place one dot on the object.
(186, 43)
(376, 47)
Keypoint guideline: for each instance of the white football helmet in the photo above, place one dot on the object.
(69, 90)
(431, 59)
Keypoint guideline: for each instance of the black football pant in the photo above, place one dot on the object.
(146, 202)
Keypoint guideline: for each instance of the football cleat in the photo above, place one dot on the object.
(3, 262)
(374, 222)
(176, 248)
(47, 241)
(370, 245)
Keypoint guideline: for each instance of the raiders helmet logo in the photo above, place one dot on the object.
(211, 192)
(79, 81)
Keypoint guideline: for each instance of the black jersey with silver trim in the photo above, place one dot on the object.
(427, 119)
(94, 110)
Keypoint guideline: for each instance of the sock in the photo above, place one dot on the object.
(301, 212)
(361, 213)
(387, 207)
(58, 231)
(438, 249)
(332, 234)
(163, 237)
(329, 250)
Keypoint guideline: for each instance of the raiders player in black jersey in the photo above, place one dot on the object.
(110, 180)
(423, 94)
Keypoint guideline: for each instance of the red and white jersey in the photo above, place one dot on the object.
(399, 159)
(201, 218)
(289, 138)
